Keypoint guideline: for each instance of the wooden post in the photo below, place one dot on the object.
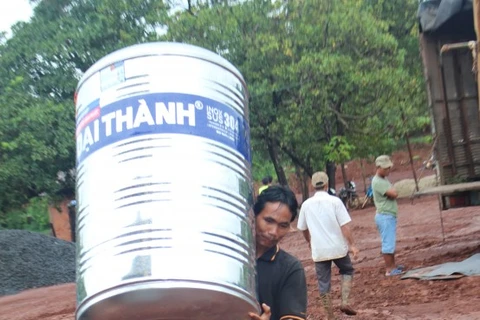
(72, 216)
(407, 138)
(476, 21)
(52, 228)
(440, 206)
(411, 161)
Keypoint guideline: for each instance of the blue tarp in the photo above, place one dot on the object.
(432, 14)
(449, 270)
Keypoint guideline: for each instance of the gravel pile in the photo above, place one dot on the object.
(31, 260)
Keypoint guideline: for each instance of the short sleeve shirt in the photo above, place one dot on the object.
(323, 216)
(383, 204)
(262, 188)
(281, 285)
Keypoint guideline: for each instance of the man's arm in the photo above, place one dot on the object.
(391, 193)
(384, 187)
(343, 219)
(302, 225)
(302, 221)
(306, 235)
(347, 233)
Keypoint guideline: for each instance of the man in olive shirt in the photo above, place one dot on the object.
(384, 196)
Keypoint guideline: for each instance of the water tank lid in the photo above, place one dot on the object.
(159, 48)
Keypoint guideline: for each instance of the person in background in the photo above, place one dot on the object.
(267, 182)
(385, 199)
(281, 283)
(325, 223)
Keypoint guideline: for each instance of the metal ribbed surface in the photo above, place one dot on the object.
(164, 192)
(455, 108)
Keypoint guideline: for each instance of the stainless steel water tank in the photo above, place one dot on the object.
(164, 220)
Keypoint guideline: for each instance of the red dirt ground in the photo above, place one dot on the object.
(420, 243)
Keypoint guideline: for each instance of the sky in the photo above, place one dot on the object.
(12, 11)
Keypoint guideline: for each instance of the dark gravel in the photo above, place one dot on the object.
(31, 260)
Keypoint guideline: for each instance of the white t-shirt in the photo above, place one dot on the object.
(323, 215)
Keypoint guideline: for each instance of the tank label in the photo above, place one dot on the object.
(112, 75)
(155, 113)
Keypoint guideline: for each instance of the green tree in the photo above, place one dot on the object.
(247, 33)
(326, 78)
(343, 58)
(40, 66)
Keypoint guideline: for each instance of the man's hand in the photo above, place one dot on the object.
(265, 315)
(354, 251)
(391, 194)
(347, 233)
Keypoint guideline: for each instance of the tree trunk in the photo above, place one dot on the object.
(344, 175)
(296, 160)
(302, 179)
(331, 168)
(272, 151)
(362, 167)
(306, 189)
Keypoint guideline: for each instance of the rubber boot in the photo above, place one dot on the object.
(327, 305)
(347, 281)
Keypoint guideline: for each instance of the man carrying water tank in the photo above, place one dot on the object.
(281, 284)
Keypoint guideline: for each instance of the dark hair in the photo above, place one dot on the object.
(266, 180)
(277, 194)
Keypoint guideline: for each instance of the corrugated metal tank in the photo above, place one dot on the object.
(164, 188)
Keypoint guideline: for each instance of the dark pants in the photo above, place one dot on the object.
(324, 271)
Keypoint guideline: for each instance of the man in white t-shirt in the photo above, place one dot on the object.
(324, 221)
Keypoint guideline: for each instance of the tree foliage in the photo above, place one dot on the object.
(40, 66)
(328, 80)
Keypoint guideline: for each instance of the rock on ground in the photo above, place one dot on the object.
(31, 260)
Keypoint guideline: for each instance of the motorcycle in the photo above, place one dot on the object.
(332, 191)
(349, 196)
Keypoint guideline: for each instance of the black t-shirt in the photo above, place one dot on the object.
(281, 284)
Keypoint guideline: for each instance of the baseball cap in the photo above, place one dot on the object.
(383, 162)
(319, 179)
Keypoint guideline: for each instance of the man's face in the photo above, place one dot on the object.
(272, 224)
(384, 172)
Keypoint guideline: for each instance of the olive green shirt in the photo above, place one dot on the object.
(383, 204)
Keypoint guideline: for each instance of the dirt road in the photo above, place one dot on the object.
(51, 303)
(420, 243)
(376, 297)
